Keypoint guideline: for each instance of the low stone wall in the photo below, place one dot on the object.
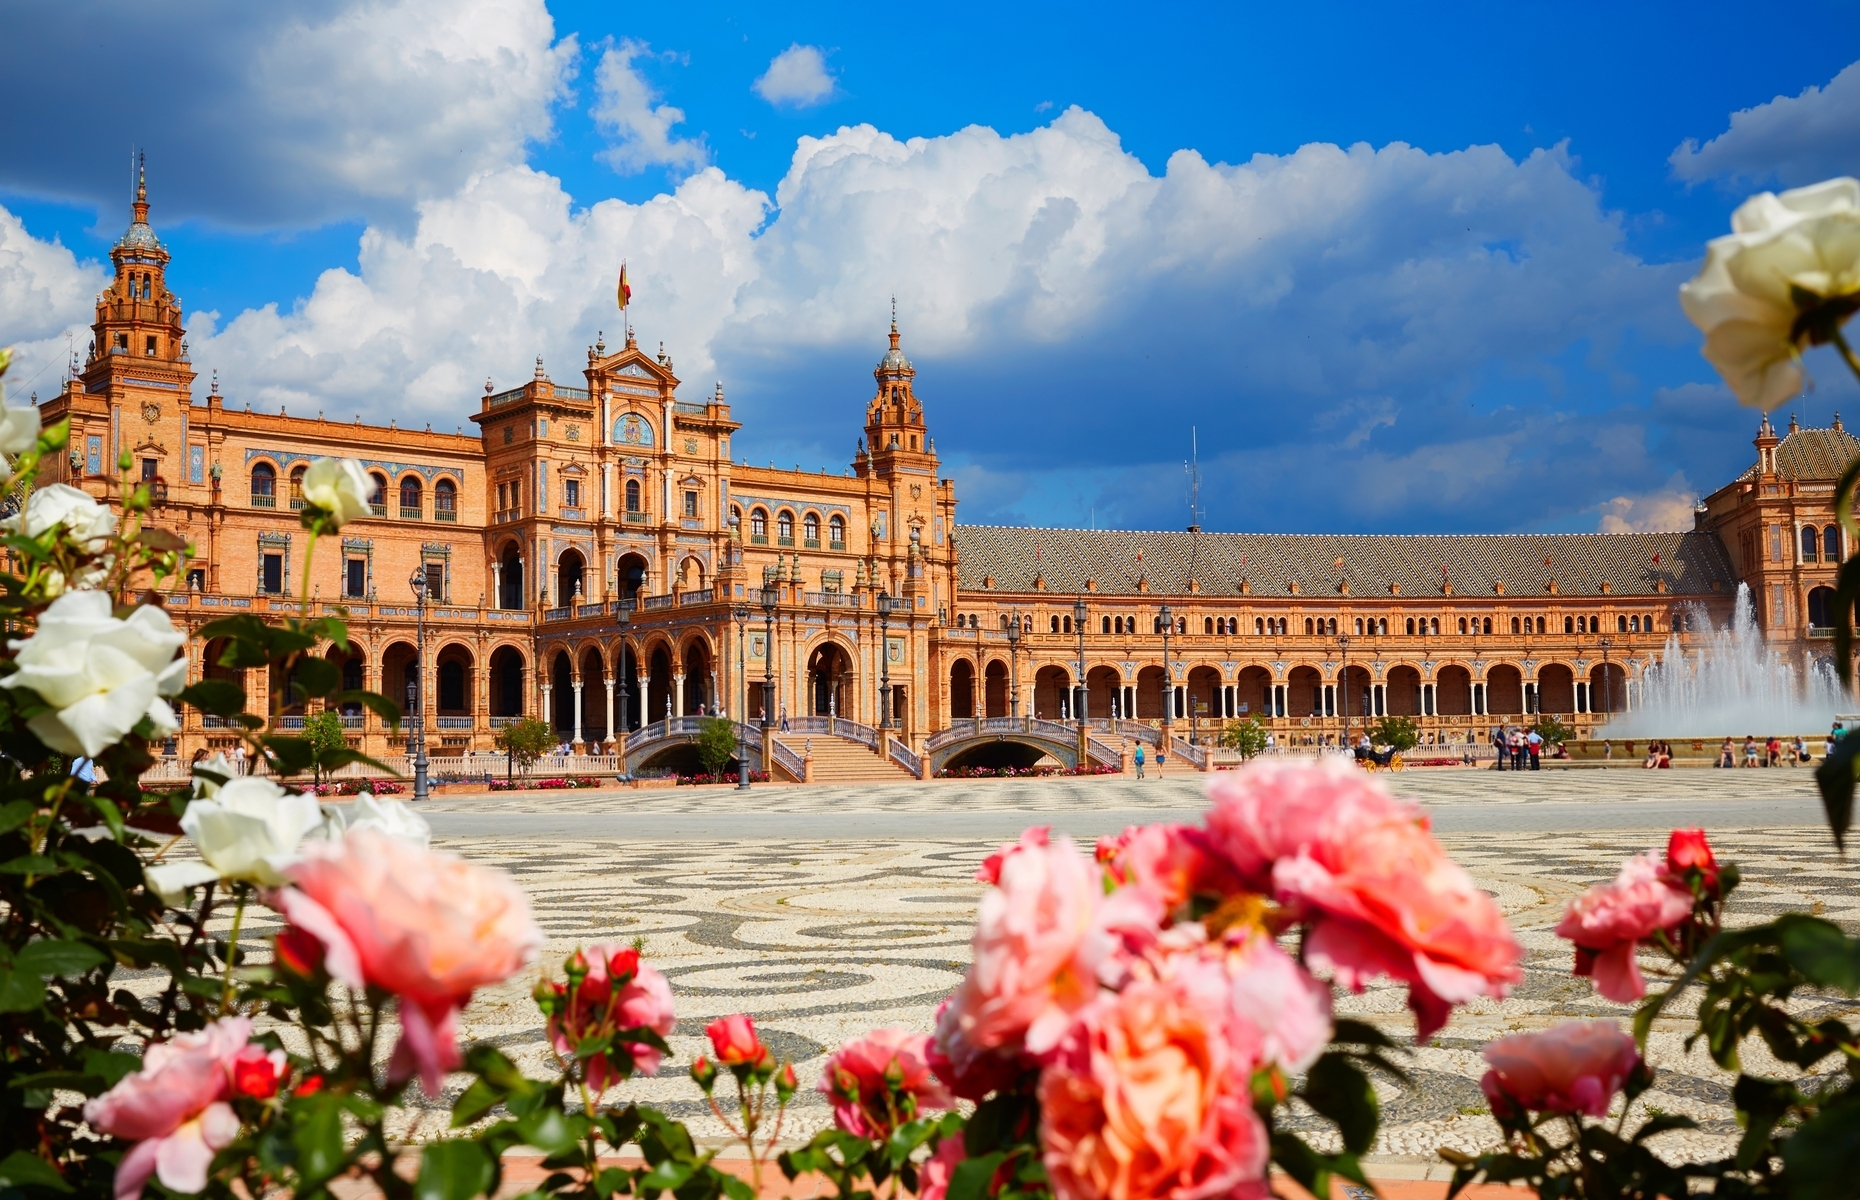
(1687, 752)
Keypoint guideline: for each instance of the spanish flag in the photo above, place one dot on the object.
(625, 292)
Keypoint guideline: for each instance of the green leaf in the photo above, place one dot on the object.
(665, 1176)
(1837, 773)
(1822, 1159)
(454, 1170)
(316, 676)
(1350, 1032)
(549, 1130)
(21, 992)
(479, 1099)
(24, 1169)
(218, 697)
(318, 1137)
(972, 1176)
(62, 958)
(29, 864)
(110, 1065)
(294, 754)
(15, 813)
(1821, 951)
(1338, 1090)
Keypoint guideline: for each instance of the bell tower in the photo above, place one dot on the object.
(138, 319)
(896, 438)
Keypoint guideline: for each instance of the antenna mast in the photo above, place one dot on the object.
(1193, 468)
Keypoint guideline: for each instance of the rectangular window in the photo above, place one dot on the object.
(571, 493)
(436, 581)
(148, 470)
(542, 427)
(197, 580)
(93, 454)
(1776, 543)
(691, 504)
(149, 347)
(355, 578)
(272, 574)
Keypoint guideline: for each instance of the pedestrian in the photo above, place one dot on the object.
(1139, 760)
(1535, 742)
(1516, 742)
(1750, 751)
(784, 718)
(238, 759)
(84, 769)
(1498, 743)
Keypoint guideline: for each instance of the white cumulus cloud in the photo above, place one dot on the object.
(1666, 509)
(796, 78)
(45, 293)
(641, 129)
(1791, 140)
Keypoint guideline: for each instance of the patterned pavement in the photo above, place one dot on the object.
(826, 935)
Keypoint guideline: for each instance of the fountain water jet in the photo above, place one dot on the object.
(1732, 685)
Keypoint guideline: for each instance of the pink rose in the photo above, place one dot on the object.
(1147, 1098)
(1043, 934)
(1575, 1067)
(428, 927)
(735, 1041)
(879, 1081)
(981, 1073)
(934, 1176)
(1378, 894)
(616, 993)
(1173, 862)
(1609, 920)
(1290, 1009)
(1034, 837)
(175, 1107)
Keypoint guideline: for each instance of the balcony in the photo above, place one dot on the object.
(651, 602)
(836, 546)
(784, 541)
(507, 514)
(758, 539)
(411, 512)
(264, 501)
(455, 722)
(810, 544)
(380, 510)
(297, 503)
(638, 518)
(446, 514)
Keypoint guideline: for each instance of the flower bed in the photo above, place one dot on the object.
(726, 777)
(355, 787)
(1024, 772)
(556, 784)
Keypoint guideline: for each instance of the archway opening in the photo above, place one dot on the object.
(658, 684)
(699, 699)
(1404, 692)
(506, 682)
(1150, 694)
(1453, 692)
(1556, 689)
(454, 685)
(1504, 691)
(829, 681)
(593, 695)
(995, 691)
(562, 688)
(1607, 688)
(1052, 699)
(1203, 700)
(961, 690)
(630, 576)
(1001, 753)
(569, 570)
(510, 579)
(1104, 686)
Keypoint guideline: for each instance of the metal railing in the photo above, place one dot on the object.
(1194, 754)
(905, 757)
(845, 727)
(833, 599)
(788, 760)
(455, 722)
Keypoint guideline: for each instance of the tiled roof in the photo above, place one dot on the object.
(1270, 563)
(1814, 454)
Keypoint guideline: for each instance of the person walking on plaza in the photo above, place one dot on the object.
(238, 760)
(1535, 742)
(1139, 760)
(784, 718)
(1498, 743)
(1515, 740)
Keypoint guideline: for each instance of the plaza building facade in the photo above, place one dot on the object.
(595, 555)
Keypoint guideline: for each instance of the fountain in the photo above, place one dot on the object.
(1733, 684)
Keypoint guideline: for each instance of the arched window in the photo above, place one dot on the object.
(1359, 627)
(1433, 626)
(1462, 625)
(1634, 623)
(1569, 624)
(1207, 625)
(1821, 607)
(377, 499)
(1621, 625)
(1259, 626)
(411, 497)
(1410, 626)
(1382, 627)
(264, 486)
(297, 487)
(1831, 543)
(632, 495)
(836, 533)
(1055, 625)
(758, 525)
(810, 530)
(784, 528)
(1514, 625)
(446, 500)
(1181, 625)
(1068, 625)
(1488, 625)
(1811, 543)
(1310, 626)
(1106, 624)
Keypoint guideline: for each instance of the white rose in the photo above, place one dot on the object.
(248, 832)
(219, 765)
(339, 487)
(19, 432)
(57, 504)
(1786, 258)
(100, 674)
(392, 818)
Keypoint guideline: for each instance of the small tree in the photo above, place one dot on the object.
(525, 741)
(716, 744)
(1248, 737)
(1397, 733)
(325, 735)
(1552, 731)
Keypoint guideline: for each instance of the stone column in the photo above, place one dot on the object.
(645, 712)
(610, 709)
(678, 694)
(547, 713)
(577, 685)
(497, 584)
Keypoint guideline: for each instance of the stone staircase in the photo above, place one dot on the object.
(840, 760)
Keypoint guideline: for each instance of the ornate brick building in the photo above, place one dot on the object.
(596, 556)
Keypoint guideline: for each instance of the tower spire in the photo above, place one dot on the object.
(142, 189)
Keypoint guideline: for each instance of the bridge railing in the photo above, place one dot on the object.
(1099, 750)
(788, 760)
(906, 758)
(844, 727)
(1191, 753)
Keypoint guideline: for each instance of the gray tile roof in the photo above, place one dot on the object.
(1821, 454)
(1270, 563)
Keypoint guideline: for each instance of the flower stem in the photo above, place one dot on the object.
(232, 948)
(1847, 352)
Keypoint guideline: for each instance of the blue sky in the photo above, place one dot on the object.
(1400, 270)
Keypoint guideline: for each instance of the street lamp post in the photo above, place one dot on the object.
(1167, 619)
(1013, 632)
(1079, 615)
(741, 615)
(884, 660)
(1343, 685)
(416, 689)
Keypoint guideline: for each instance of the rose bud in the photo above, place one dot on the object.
(1687, 850)
(735, 1041)
(311, 1085)
(256, 1072)
(545, 997)
(703, 1073)
(785, 1082)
